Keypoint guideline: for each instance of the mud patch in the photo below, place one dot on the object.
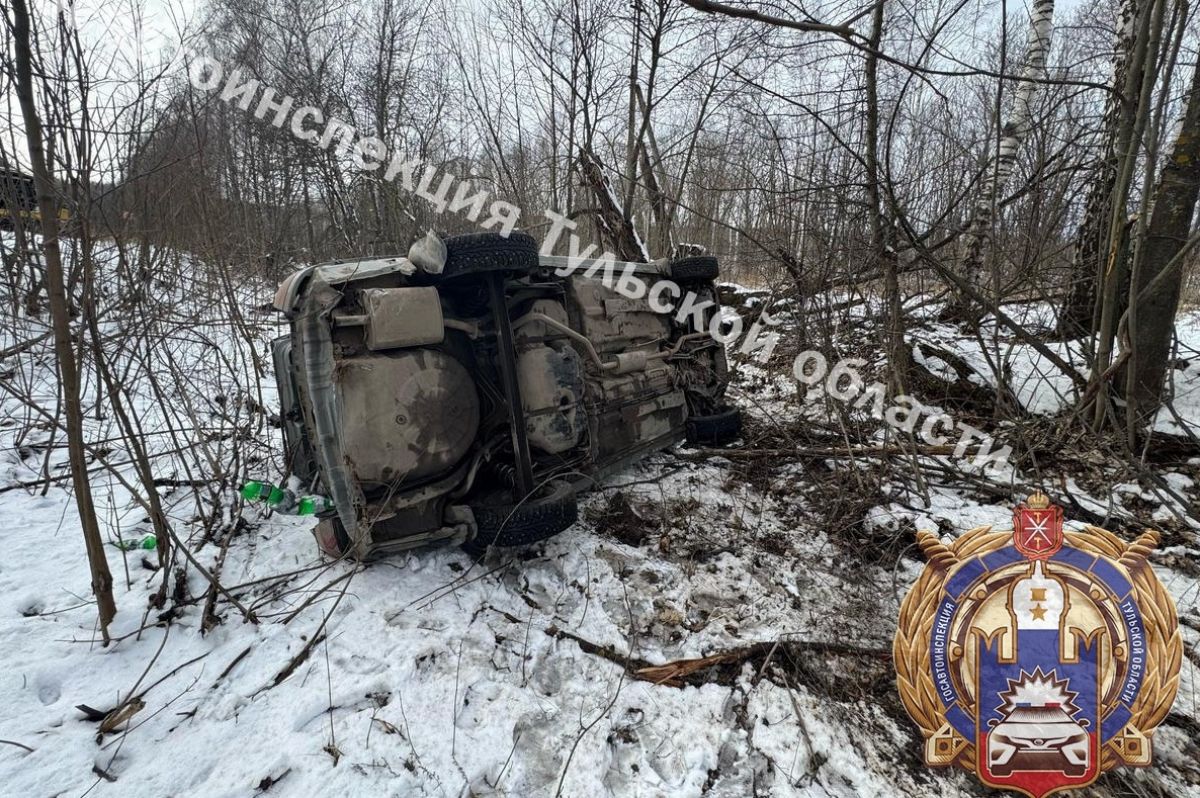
(619, 520)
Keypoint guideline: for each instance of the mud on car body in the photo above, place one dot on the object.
(467, 400)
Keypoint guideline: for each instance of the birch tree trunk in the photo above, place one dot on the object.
(1015, 130)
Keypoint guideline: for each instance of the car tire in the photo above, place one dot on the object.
(717, 429)
(521, 524)
(694, 269)
(487, 253)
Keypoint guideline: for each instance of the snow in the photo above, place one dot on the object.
(1185, 380)
(432, 674)
(933, 364)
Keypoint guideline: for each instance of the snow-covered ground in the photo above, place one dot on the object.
(432, 674)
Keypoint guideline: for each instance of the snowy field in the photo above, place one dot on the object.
(522, 674)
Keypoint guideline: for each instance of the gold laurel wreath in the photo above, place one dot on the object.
(910, 650)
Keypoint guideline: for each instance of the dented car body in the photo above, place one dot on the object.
(468, 399)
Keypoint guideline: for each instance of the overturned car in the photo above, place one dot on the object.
(467, 393)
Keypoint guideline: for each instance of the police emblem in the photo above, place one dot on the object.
(1037, 658)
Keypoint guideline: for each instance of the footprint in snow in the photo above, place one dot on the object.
(49, 689)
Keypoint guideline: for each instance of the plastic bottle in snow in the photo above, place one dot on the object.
(312, 505)
(284, 501)
(264, 491)
(149, 543)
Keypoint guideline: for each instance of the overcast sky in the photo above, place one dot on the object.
(127, 36)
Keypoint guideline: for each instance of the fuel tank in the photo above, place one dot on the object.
(406, 415)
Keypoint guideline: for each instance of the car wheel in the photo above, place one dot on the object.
(533, 520)
(700, 267)
(717, 429)
(486, 253)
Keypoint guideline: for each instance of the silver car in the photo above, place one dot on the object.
(466, 398)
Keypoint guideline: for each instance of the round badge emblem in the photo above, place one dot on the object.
(1035, 658)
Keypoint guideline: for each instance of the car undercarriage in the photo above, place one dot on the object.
(468, 397)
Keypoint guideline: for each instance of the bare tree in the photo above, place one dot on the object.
(1000, 168)
(1075, 317)
(1157, 282)
(60, 312)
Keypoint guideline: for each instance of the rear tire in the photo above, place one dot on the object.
(487, 253)
(718, 429)
(521, 524)
(696, 268)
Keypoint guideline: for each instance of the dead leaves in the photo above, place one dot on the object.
(112, 719)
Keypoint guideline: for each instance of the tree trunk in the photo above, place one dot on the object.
(616, 225)
(883, 250)
(61, 321)
(1158, 299)
(1113, 278)
(1075, 318)
(979, 228)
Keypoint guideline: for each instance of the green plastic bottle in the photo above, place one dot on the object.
(311, 505)
(264, 491)
(284, 501)
(149, 543)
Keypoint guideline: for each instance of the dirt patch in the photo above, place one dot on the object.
(619, 520)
